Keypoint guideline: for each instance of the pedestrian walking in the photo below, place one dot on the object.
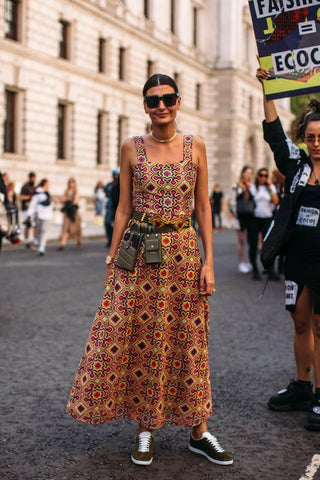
(147, 354)
(298, 220)
(112, 194)
(11, 194)
(71, 218)
(26, 193)
(242, 206)
(216, 205)
(9, 218)
(41, 211)
(99, 198)
(265, 199)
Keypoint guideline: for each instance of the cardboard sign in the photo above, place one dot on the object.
(288, 40)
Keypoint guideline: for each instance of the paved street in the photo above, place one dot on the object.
(47, 305)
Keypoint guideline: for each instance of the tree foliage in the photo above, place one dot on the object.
(299, 103)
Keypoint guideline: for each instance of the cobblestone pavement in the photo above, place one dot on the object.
(47, 305)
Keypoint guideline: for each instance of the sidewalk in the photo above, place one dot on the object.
(90, 229)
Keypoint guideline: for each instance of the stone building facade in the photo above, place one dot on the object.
(71, 74)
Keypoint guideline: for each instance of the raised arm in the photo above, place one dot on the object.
(270, 110)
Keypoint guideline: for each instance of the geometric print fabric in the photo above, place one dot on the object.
(146, 357)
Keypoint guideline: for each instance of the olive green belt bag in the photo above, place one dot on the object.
(152, 238)
(152, 247)
(130, 244)
(128, 251)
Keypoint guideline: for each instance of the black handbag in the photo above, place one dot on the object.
(245, 207)
(277, 237)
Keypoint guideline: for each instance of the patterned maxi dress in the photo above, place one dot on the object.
(147, 353)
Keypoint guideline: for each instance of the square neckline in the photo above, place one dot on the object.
(143, 157)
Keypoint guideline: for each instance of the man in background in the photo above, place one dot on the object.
(26, 193)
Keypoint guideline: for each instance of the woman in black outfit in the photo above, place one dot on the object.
(302, 263)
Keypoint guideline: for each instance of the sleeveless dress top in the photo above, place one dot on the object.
(146, 357)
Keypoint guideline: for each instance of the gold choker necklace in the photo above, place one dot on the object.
(167, 140)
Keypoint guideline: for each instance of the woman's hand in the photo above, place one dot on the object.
(207, 280)
(108, 273)
(262, 74)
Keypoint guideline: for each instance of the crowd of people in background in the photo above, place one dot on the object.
(249, 210)
(252, 206)
(34, 206)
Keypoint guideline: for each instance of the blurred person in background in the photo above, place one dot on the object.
(9, 217)
(265, 199)
(241, 205)
(71, 218)
(11, 194)
(216, 206)
(99, 198)
(41, 210)
(26, 193)
(111, 191)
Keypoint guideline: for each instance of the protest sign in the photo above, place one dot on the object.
(288, 40)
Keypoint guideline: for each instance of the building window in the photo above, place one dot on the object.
(150, 67)
(195, 26)
(12, 17)
(64, 130)
(62, 123)
(198, 96)
(251, 107)
(122, 133)
(102, 55)
(122, 63)
(64, 39)
(146, 8)
(173, 16)
(102, 138)
(10, 122)
(176, 78)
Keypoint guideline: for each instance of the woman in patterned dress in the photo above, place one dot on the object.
(147, 354)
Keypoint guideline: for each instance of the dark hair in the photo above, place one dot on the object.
(32, 174)
(262, 169)
(159, 79)
(43, 182)
(310, 114)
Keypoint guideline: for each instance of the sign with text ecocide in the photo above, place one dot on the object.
(288, 39)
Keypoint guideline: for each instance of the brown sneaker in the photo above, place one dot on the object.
(142, 454)
(209, 447)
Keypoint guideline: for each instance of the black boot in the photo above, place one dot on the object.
(297, 396)
(313, 420)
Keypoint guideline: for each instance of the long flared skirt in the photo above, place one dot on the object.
(146, 357)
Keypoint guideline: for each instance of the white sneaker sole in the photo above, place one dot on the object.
(213, 460)
(141, 462)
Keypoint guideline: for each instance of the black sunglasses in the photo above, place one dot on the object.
(169, 99)
(263, 175)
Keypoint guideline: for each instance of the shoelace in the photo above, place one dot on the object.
(213, 441)
(144, 441)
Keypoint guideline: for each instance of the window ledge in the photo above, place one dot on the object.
(65, 161)
(15, 156)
